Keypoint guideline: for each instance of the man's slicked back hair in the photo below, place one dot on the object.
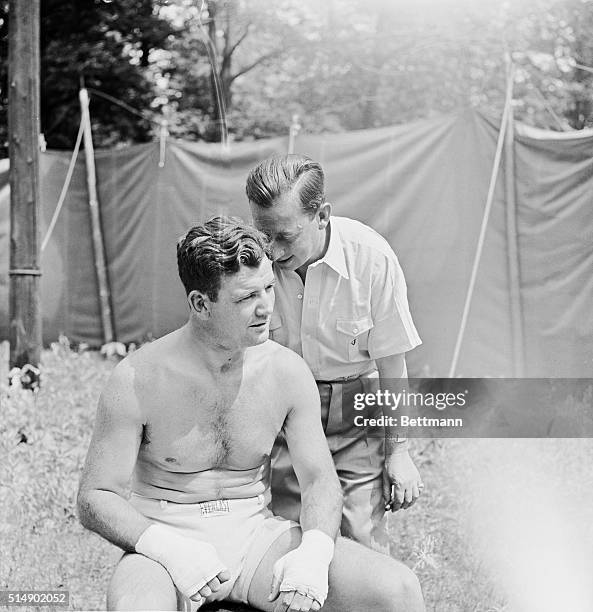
(217, 248)
(281, 174)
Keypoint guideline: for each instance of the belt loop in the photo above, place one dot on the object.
(334, 421)
(332, 398)
(325, 395)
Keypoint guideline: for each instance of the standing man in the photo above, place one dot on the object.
(191, 419)
(341, 303)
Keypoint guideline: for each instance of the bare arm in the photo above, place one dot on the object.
(111, 457)
(300, 578)
(194, 566)
(401, 479)
(393, 377)
(321, 493)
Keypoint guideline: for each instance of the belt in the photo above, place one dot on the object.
(345, 388)
(347, 379)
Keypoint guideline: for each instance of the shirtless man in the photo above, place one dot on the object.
(191, 419)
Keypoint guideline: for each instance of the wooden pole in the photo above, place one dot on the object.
(295, 128)
(164, 133)
(96, 230)
(23, 128)
(512, 245)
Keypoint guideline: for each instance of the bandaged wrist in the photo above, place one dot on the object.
(319, 545)
(305, 569)
(153, 542)
(191, 563)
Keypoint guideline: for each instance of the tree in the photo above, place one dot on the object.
(392, 62)
(221, 43)
(339, 64)
(106, 46)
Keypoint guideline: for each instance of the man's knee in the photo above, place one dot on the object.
(361, 579)
(138, 583)
(398, 588)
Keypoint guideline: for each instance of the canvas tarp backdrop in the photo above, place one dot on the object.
(422, 185)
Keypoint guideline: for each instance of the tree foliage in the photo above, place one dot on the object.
(232, 40)
(393, 62)
(338, 64)
(106, 46)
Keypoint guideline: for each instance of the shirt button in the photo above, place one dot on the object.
(355, 330)
(300, 296)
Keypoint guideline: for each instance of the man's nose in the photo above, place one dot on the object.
(266, 305)
(277, 251)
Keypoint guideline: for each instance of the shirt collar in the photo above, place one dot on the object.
(334, 256)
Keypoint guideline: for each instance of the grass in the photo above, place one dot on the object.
(445, 537)
(43, 442)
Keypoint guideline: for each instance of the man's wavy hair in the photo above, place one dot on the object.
(280, 174)
(219, 247)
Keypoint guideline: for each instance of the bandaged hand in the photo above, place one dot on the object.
(193, 565)
(302, 574)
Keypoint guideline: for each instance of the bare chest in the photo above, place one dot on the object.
(192, 428)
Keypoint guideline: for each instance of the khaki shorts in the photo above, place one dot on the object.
(241, 530)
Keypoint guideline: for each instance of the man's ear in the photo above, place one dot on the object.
(323, 214)
(199, 303)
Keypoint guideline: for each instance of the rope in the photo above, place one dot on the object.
(62, 197)
(489, 200)
(548, 107)
(123, 104)
(211, 52)
(584, 68)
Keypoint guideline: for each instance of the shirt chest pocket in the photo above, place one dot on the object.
(353, 337)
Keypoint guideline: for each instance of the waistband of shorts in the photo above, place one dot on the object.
(213, 506)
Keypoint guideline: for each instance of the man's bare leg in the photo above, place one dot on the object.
(359, 579)
(139, 583)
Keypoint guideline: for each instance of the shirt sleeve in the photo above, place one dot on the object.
(393, 330)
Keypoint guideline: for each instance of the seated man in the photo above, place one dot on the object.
(191, 418)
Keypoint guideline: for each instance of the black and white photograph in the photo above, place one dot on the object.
(296, 305)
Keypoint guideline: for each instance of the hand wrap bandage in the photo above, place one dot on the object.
(305, 569)
(191, 563)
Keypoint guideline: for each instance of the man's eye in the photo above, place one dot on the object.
(269, 287)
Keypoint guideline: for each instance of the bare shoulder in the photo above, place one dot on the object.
(119, 395)
(288, 372)
(122, 377)
(145, 360)
(154, 352)
(280, 359)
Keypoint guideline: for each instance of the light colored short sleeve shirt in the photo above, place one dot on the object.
(352, 308)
